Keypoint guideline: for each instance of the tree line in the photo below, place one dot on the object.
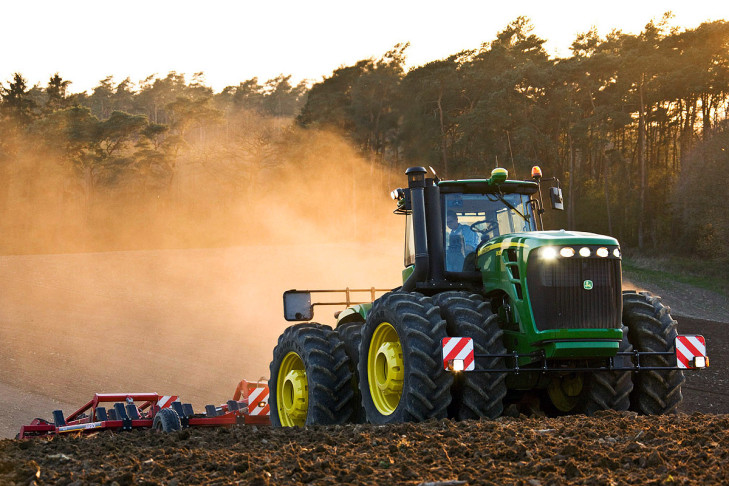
(122, 132)
(633, 125)
(125, 156)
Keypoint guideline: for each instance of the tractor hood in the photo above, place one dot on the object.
(505, 257)
(529, 241)
(568, 237)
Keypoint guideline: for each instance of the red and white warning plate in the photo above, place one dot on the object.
(691, 351)
(258, 401)
(166, 401)
(458, 354)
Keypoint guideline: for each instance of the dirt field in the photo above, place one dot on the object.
(186, 322)
(611, 448)
(190, 322)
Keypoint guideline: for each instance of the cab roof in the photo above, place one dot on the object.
(485, 186)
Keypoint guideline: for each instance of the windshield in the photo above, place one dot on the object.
(472, 219)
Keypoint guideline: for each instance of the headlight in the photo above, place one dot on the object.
(567, 252)
(552, 252)
(549, 253)
(397, 194)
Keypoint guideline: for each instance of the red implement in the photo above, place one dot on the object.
(138, 410)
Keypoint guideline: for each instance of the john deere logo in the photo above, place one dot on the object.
(587, 284)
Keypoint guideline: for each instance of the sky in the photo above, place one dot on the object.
(232, 41)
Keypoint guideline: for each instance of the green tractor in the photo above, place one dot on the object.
(493, 312)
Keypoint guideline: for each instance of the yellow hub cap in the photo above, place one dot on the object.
(385, 368)
(292, 391)
(565, 391)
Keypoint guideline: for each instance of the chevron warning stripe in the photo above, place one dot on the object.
(258, 401)
(688, 348)
(166, 401)
(458, 348)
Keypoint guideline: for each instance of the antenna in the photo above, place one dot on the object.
(513, 166)
(437, 179)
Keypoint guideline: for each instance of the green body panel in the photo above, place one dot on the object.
(355, 313)
(407, 271)
(520, 332)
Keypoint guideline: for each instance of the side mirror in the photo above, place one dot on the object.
(297, 305)
(555, 195)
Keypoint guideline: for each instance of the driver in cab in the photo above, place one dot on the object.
(462, 240)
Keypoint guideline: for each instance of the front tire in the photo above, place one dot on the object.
(610, 390)
(652, 329)
(589, 392)
(475, 395)
(310, 379)
(400, 366)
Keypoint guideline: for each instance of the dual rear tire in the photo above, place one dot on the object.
(400, 368)
(310, 381)
(475, 395)
(388, 369)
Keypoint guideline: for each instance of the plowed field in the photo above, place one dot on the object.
(611, 448)
(194, 322)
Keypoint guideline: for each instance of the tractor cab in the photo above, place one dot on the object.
(463, 217)
(472, 220)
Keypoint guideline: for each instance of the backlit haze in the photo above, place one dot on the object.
(177, 288)
(231, 41)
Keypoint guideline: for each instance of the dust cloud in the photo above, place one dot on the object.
(178, 289)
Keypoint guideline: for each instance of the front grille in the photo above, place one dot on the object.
(560, 300)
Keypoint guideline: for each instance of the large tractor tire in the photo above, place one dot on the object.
(351, 335)
(589, 392)
(610, 390)
(652, 329)
(475, 395)
(310, 380)
(401, 375)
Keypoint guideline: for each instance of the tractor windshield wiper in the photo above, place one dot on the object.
(508, 204)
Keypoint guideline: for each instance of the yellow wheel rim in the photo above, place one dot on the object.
(385, 368)
(565, 391)
(292, 391)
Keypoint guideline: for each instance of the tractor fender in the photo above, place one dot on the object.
(356, 313)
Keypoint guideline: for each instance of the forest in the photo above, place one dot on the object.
(633, 125)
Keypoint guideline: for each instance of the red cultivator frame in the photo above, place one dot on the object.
(164, 412)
